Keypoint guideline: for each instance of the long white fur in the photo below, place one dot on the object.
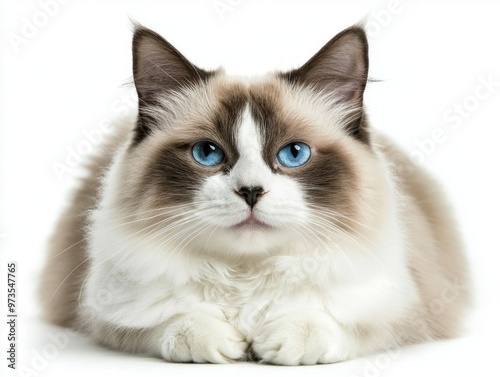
(261, 296)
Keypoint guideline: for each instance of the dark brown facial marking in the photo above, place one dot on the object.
(276, 132)
(328, 178)
(173, 176)
(233, 100)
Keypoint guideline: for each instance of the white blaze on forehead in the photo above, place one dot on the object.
(250, 169)
(249, 140)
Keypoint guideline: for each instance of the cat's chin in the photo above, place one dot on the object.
(255, 239)
(248, 237)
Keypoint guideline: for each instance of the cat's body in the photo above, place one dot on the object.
(294, 229)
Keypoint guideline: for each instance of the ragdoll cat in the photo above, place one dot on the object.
(263, 218)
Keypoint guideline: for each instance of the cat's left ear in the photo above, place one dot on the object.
(159, 70)
(339, 69)
(159, 67)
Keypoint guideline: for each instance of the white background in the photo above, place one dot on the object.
(68, 76)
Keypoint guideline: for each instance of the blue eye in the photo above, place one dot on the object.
(294, 155)
(207, 153)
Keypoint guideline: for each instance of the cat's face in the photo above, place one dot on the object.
(220, 164)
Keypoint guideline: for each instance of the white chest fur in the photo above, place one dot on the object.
(352, 289)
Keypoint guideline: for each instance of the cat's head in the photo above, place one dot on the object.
(238, 166)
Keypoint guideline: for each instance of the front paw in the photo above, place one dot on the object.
(302, 338)
(202, 338)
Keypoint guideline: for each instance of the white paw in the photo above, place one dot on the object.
(302, 338)
(202, 338)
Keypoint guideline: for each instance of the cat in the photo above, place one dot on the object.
(255, 218)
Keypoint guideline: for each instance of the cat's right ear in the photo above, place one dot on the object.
(159, 69)
(340, 70)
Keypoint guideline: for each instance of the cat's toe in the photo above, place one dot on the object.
(202, 338)
(297, 339)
